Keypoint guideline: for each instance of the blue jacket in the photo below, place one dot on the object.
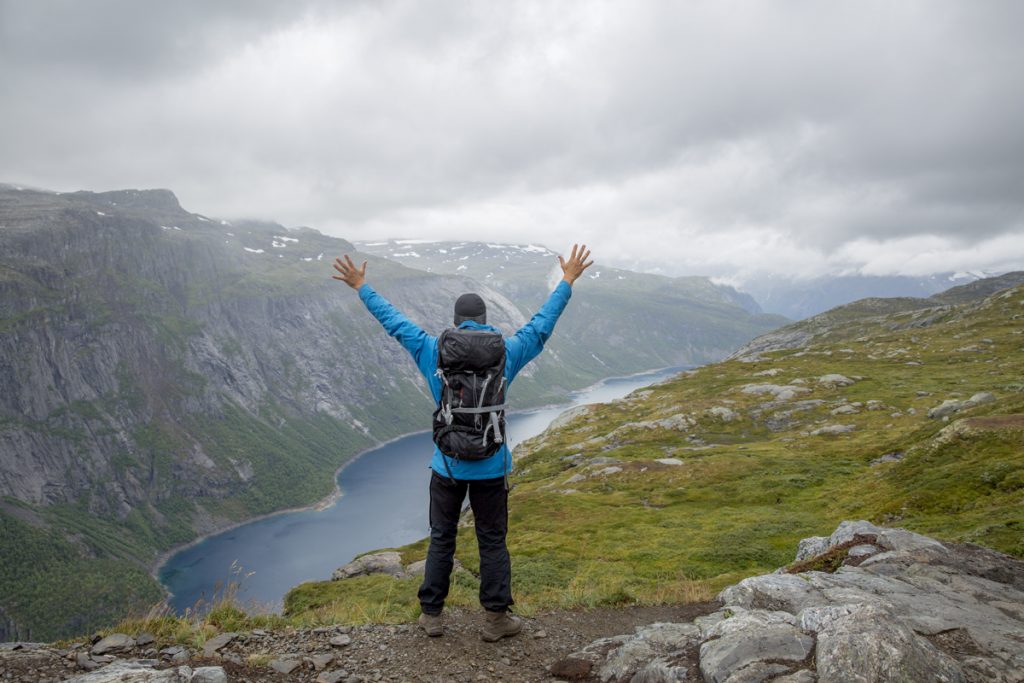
(520, 349)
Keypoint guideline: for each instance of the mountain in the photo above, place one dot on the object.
(165, 374)
(866, 313)
(798, 299)
(527, 271)
(890, 410)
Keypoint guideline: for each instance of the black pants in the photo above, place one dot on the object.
(489, 501)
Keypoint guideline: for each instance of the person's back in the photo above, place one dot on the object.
(460, 467)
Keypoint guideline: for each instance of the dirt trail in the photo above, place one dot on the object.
(390, 653)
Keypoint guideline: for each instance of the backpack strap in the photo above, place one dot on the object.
(481, 409)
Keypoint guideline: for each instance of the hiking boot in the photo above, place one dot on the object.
(498, 625)
(431, 624)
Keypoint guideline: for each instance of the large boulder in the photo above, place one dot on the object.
(899, 607)
(134, 671)
(389, 562)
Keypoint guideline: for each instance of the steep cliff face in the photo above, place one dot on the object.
(165, 373)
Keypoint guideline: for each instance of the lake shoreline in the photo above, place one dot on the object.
(317, 506)
(331, 499)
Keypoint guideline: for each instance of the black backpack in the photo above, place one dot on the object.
(469, 423)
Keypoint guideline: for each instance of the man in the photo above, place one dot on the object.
(486, 479)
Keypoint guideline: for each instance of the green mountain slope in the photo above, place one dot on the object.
(912, 418)
(164, 374)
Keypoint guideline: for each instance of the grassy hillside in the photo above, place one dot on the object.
(689, 485)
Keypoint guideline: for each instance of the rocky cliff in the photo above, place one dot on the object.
(164, 373)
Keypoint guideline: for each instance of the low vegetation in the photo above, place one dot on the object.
(685, 487)
(912, 419)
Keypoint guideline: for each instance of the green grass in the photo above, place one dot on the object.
(749, 489)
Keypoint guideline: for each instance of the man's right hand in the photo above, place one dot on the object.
(350, 275)
(577, 262)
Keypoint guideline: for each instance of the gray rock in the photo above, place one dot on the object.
(568, 416)
(811, 547)
(613, 469)
(115, 642)
(341, 641)
(332, 676)
(848, 529)
(777, 592)
(845, 409)
(215, 644)
(894, 456)
(832, 429)
(126, 671)
(835, 380)
(723, 413)
(284, 666)
(946, 408)
(758, 672)
(209, 674)
(679, 422)
(576, 478)
(389, 562)
(780, 393)
(145, 639)
(660, 672)
(669, 461)
(981, 398)
(917, 610)
(862, 550)
(322, 661)
(626, 660)
(645, 656)
(871, 642)
(85, 662)
(802, 676)
(603, 460)
(752, 637)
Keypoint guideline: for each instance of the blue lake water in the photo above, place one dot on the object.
(383, 504)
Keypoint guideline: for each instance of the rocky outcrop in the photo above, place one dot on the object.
(866, 604)
(388, 562)
(951, 406)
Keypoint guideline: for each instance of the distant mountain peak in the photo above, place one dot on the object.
(158, 199)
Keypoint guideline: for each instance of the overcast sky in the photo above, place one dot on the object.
(724, 138)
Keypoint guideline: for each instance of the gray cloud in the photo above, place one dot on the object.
(690, 137)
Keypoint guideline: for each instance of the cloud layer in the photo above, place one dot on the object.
(721, 138)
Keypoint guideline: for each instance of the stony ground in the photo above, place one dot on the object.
(370, 653)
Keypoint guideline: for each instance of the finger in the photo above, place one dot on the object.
(349, 263)
(340, 267)
(572, 256)
(584, 254)
(363, 270)
(561, 261)
(587, 264)
(335, 277)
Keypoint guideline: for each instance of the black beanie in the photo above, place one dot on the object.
(470, 307)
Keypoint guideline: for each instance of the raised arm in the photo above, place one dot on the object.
(410, 335)
(528, 342)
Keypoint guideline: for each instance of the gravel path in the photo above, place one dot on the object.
(382, 653)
